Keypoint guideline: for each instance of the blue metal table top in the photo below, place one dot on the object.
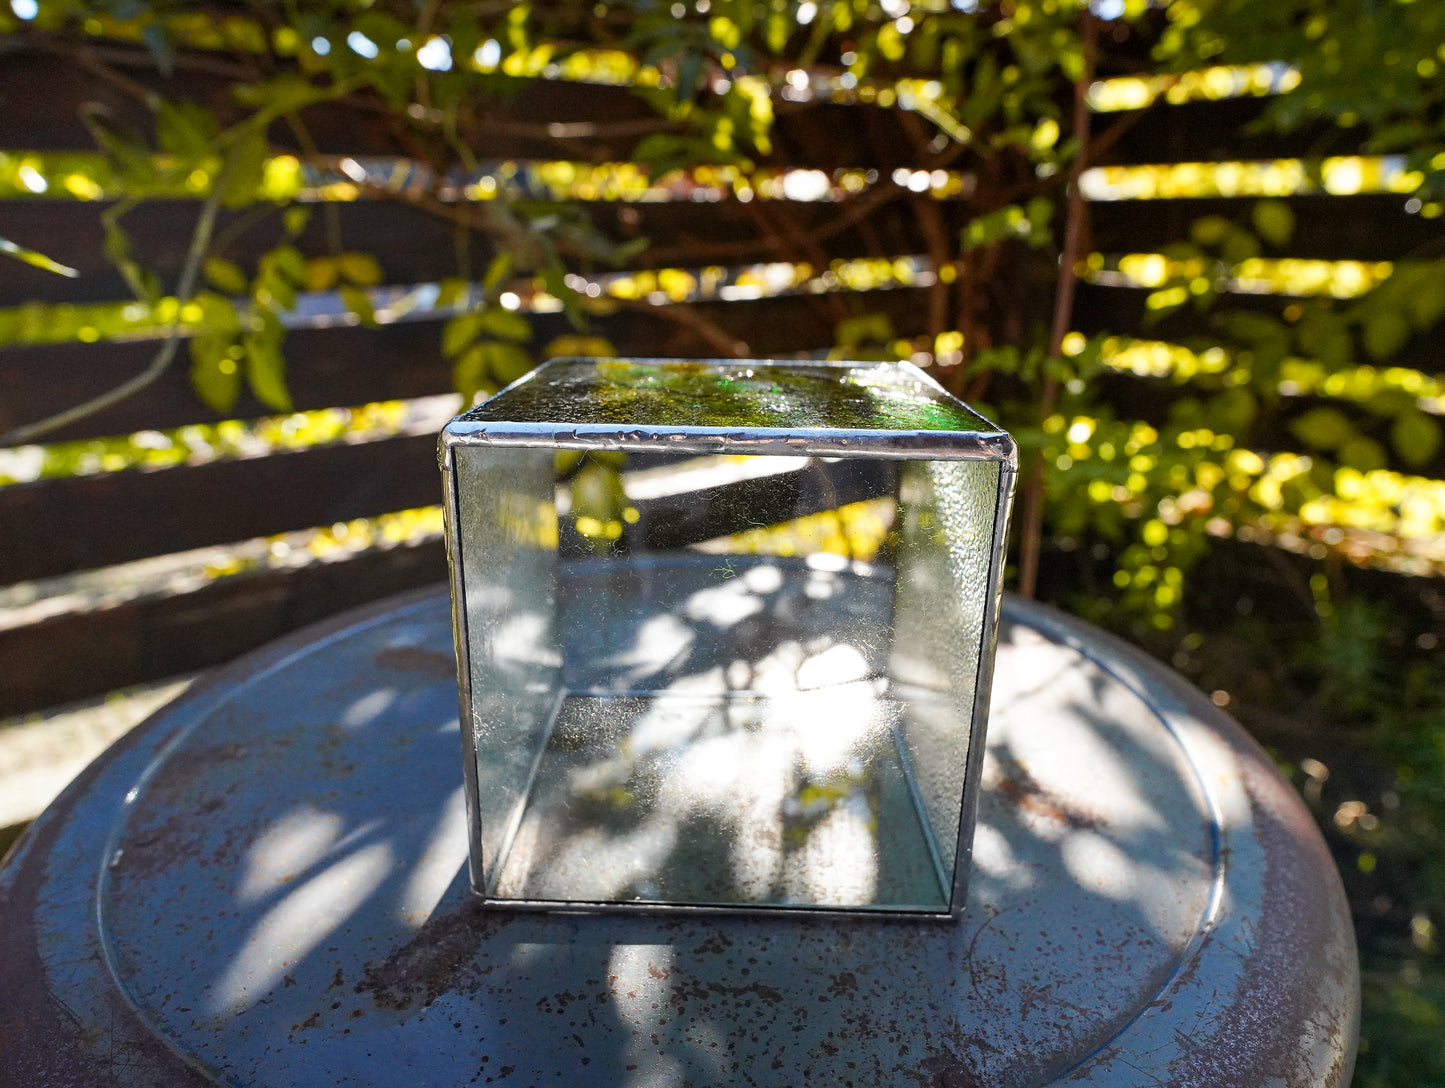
(265, 885)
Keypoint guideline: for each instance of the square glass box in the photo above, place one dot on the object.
(725, 633)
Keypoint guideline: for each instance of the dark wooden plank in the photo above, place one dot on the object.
(414, 246)
(70, 656)
(327, 367)
(66, 657)
(1367, 227)
(82, 522)
(353, 365)
(1214, 131)
(42, 94)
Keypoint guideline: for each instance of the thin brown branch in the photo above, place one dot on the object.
(1031, 542)
(689, 318)
(165, 355)
(930, 222)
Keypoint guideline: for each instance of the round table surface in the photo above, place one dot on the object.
(265, 884)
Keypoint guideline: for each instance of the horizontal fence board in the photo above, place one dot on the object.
(1364, 227)
(43, 93)
(46, 91)
(415, 246)
(83, 522)
(74, 655)
(1213, 131)
(154, 637)
(353, 365)
(326, 368)
(45, 96)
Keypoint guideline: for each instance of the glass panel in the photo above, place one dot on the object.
(721, 679)
(941, 598)
(507, 525)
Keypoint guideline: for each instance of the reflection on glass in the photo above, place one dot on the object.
(721, 677)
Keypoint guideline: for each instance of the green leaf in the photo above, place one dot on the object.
(1211, 230)
(1325, 336)
(469, 375)
(1385, 333)
(295, 219)
(459, 332)
(864, 329)
(1323, 428)
(214, 374)
(506, 362)
(505, 324)
(142, 282)
(221, 318)
(597, 493)
(288, 261)
(361, 269)
(224, 275)
(39, 260)
(321, 273)
(1427, 300)
(281, 291)
(284, 94)
(497, 272)
(127, 152)
(266, 370)
(1274, 221)
(1416, 437)
(247, 162)
(591, 347)
(186, 130)
(359, 303)
(1362, 454)
(1234, 409)
(554, 278)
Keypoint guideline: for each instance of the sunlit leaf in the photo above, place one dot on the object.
(285, 93)
(247, 165)
(506, 362)
(582, 346)
(359, 303)
(32, 257)
(1416, 437)
(469, 375)
(295, 219)
(1323, 428)
(1274, 220)
(505, 324)
(459, 332)
(1385, 333)
(1362, 454)
(597, 492)
(362, 269)
(224, 275)
(214, 374)
(266, 371)
(186, 130)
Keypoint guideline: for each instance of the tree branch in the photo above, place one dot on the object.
(1031, 527)
(689, 318)
(165, 355)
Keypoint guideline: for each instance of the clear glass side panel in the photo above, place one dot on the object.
(941, 595)
(733, 722)
(507, 527)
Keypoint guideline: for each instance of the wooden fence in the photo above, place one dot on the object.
(52, 651)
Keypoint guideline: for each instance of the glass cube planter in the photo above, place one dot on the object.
(725, 632)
